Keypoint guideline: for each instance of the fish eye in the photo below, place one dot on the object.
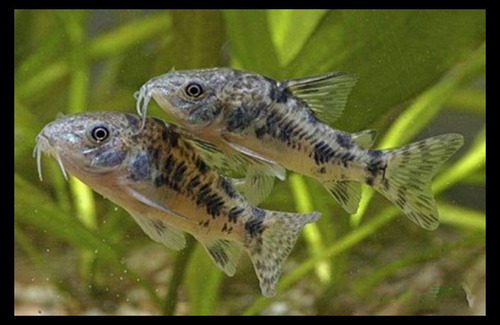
(194, 90)
(99, 133)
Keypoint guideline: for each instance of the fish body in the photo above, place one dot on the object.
(287, 123)
(155, 174)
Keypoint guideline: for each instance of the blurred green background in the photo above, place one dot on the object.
(421, 73)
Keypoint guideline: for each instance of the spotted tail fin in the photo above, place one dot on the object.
(408, 176)
(271, 238)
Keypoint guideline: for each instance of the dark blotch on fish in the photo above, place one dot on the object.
(237, 119)
(258, 212)
(205, 113)
(109, 158)
(133, 121)
(227, 187)
(286, 130)
(374, 154)
(344, 140)
(139, 168)
(178, 174)
(173, 139)
(202, 167)
(271, 122)
(259, 132)
(322, 152)
(282, 96)
(374, 166)
(254, 225)
(153, 155)
(212, 201)
(346, 157)
(169, 163)
(193, 182)
(234, 213)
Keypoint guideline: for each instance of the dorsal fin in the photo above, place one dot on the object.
(326, 94)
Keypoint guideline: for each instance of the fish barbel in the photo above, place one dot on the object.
(279, 125)
(158, 177)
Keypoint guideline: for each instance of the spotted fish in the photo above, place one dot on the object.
(286, 124)
(158, 177)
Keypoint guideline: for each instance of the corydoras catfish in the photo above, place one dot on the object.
(287, 124)
(158, 177)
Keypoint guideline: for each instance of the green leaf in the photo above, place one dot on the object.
(395, 53)
(196, 43)
(250, 41)
(39, 211)
(203, 281)
(290, 29)
(311, 233)
(429, 103)
(459, 216)
(422, 110)
(128, 35)
(473, 160)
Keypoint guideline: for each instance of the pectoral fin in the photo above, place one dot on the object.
(153, 203)
(237, 161)
(265, 164)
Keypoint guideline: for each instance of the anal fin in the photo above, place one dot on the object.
(160, 231)
(224, 253)
(346, 193)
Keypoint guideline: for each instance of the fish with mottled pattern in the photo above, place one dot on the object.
(158, 177)
(275, 125)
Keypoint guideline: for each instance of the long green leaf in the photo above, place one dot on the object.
(250, 41)
(128, 35)
(38, 210)
(395, 53)
(290, 29)
(202, 282)
(311, 231)
(195, 43)
(422, 110)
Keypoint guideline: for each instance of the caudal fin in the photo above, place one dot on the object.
(269, 248)
(408, 176)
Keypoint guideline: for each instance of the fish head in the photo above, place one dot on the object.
(190, 97)
(88, 144)
(199, 98)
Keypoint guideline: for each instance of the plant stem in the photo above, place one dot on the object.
(177, 276)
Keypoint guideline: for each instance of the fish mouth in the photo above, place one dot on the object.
(143, 96)
(149, 90)
(43, 144)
